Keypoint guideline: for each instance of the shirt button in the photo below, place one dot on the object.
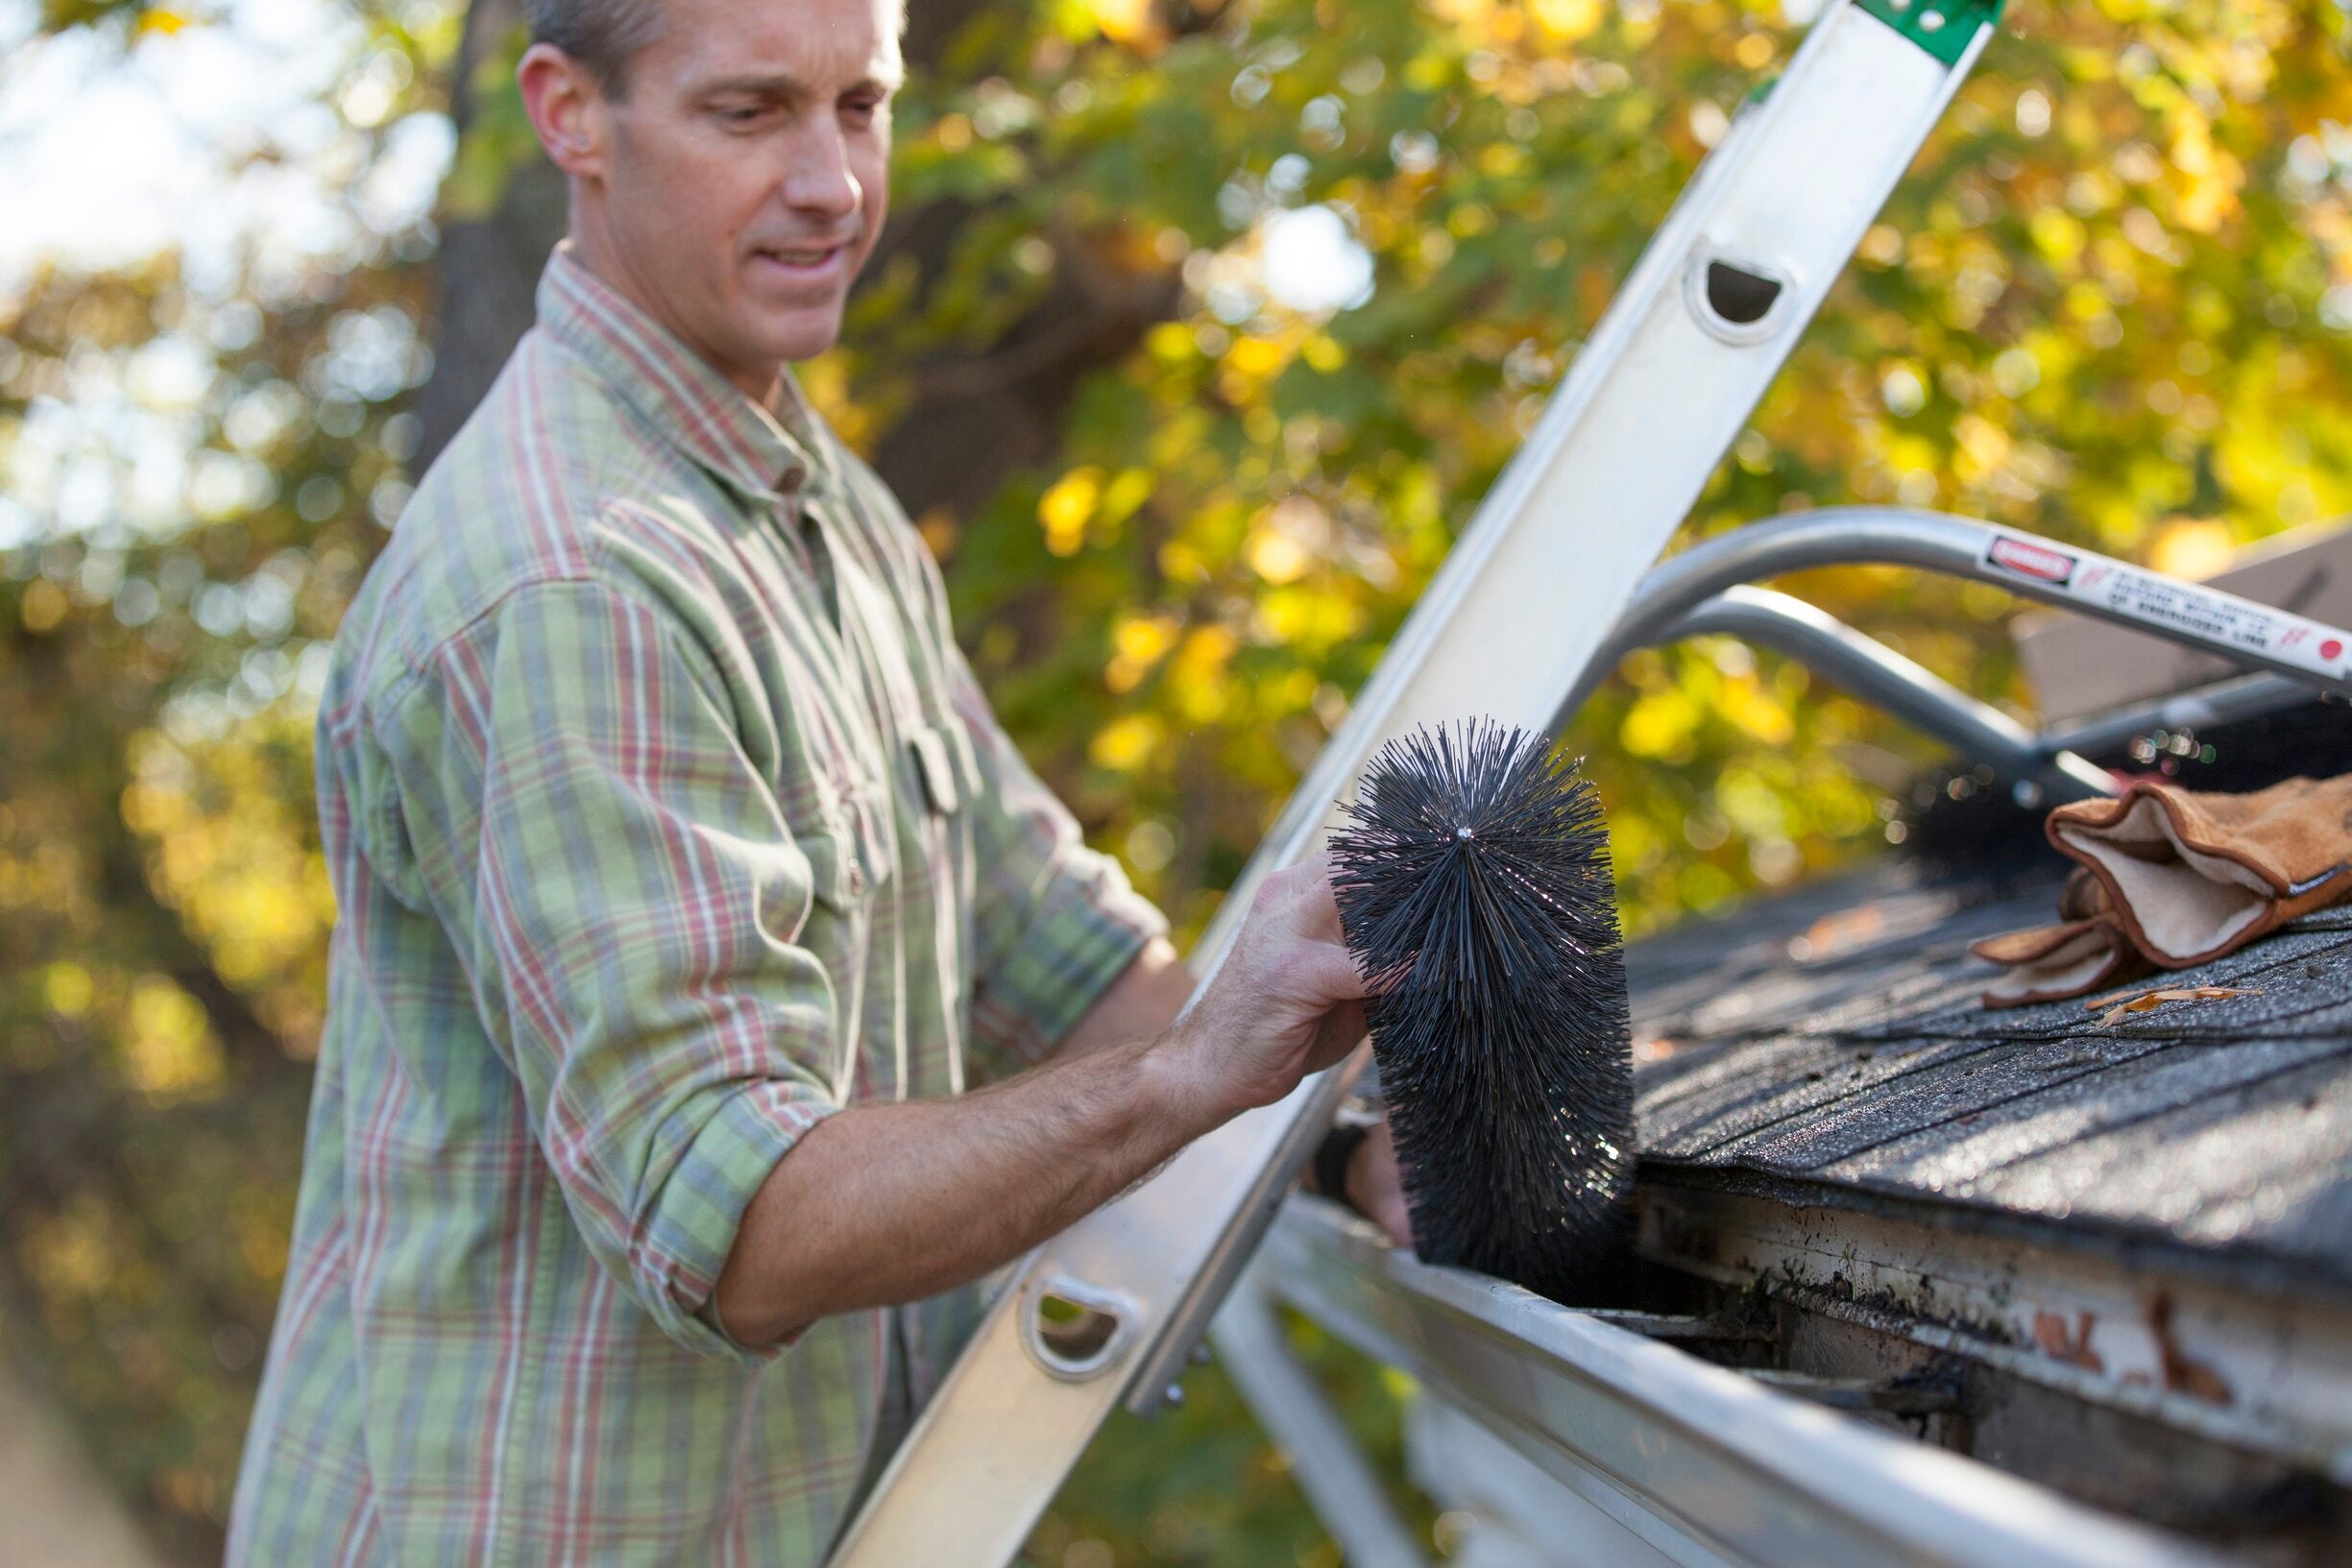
(855, 877)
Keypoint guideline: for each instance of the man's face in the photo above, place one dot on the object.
(743, 178)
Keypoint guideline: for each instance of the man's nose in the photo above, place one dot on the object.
(819, 181)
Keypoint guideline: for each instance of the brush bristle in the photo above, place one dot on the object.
(1474, 888)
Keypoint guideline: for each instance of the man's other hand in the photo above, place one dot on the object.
(1375, 1189)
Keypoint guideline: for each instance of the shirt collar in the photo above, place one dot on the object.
(758, 450)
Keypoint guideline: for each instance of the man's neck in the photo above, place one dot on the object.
(590, 245)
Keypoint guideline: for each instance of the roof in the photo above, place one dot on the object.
(1830, 1042)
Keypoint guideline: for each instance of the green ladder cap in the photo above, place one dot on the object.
(1944, 28)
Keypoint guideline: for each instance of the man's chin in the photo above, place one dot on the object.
(799, 333)
(783, 337)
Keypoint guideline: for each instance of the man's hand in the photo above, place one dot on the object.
(1286, 1001)
(1375, 1189)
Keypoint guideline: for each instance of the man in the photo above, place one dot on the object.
(686, 884)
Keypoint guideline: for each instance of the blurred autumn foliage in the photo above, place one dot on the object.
(1179, 518)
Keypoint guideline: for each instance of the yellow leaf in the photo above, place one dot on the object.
(1126, 743)
(1568, 20)
(170, 1051)
(1137, 643)
(1660, 724)
(69, 989)
(1171, 342)
(1255, 357)
(1472, 14)
(1122, 21)
(1123, 495)
(1745, 704)
(1197, 678)
(1427, 72)
(2057, 234)
(1065, 508)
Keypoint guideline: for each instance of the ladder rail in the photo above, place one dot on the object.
(1877, 674)
(2076, 580)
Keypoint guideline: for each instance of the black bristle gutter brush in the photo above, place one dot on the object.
(1474, 886)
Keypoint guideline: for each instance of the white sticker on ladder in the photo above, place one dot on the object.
(2167, 602)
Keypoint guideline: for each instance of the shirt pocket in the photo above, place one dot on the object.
(847, 840)
(836, 810)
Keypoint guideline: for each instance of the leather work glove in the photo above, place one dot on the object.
(2086, 950)
(2175, 879)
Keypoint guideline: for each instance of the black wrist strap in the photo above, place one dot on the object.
(1330, 1167)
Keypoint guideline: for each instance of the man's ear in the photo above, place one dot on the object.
(565, 106)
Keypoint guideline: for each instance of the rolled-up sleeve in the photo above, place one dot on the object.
(1056, 923)
(628, 895)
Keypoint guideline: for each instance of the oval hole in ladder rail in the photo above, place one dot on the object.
(1737, 296)
(1075, 1331)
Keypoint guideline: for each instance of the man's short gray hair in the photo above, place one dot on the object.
(601, 35)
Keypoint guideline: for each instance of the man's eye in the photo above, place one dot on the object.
(861, 109)
(738, 114)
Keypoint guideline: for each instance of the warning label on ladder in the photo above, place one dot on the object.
(2166, 602)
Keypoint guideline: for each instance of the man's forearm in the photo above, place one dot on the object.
(884, 1204)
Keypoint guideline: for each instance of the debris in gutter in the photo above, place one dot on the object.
(2182, 1374)
(2121, 1004)
(2065, 1342)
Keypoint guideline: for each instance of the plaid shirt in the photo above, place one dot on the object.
(665, 820)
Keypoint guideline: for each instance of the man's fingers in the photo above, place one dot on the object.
(1299, 897)
(1376, 1188)
(1318, 907)
(1329, 972)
